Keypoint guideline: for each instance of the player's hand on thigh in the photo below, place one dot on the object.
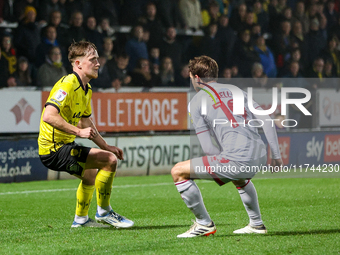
(117, 151)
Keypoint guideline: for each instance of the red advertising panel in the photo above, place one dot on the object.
(114, 112)
(284, 145)
(332, 148)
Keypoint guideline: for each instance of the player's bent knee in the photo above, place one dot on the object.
(110, 163)
(239, 183)
(177, 170)
(112, 159)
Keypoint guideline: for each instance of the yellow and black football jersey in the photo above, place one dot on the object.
(73, 102)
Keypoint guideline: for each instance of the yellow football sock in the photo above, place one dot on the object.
(103, 184)
(84, 196)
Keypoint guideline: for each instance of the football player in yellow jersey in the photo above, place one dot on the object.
(66, 116)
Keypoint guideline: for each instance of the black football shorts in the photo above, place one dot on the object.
(70, 158)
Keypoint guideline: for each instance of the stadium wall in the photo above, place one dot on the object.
(152, 112)
(152, 155)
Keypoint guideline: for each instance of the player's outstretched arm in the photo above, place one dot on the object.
(99, 140)
(271, 135)
(52, 117)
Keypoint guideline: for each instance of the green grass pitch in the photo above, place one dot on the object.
(301, 214)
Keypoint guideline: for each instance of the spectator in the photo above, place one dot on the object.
(293, 70)
(106, 8)
(226, 75)
(142, 75)
(315, 41)
(23, 73)
(135, 47)
(331, 52)
(259, 79)
(52, 70)
(65, 18)
(104, 79)
(313, 12)
(227, 37)
(255, 32)
(20, 7)
(152, 24)
(244, 54)
(316, 72)
(287, 14)
(260, 16)
(170, 14)
(335, 30)
(45, 9)
(331, 15)
(211, 44)
(8, 52)
(238, 16)
(108, 48)
(274, 15)
(146, 36)
(328, 69)
(248, 23)
(8, 11)
(4, 74)
(92, 34)
(167, 72)
(282, 42)
(11, 82)
(295, 79)
(295, 57)
(234, 72)
(48, 41)
(155, 59)
(266, 56)
(183, 78)
(211, 14)
(105, 29)
(27, 36)
(118, 71)
(172, 48)
(72, 6)
(191, 12)
(301, 16)
(62, 29)
(298, 36)
(131, 10)
(282, 4)
(76, 32)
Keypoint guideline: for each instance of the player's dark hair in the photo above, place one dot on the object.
(204, 67)
(79, 49)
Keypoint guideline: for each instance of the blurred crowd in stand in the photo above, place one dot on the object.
(256, 39)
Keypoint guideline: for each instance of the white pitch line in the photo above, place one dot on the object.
(114, 187)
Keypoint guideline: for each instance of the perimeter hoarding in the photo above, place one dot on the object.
(130, 112)
(314, 148)
(20, 111)
(19, 161)
(328, 107)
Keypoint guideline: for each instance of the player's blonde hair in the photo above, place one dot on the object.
(79, 49)
(204, 67)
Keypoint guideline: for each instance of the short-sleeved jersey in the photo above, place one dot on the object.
(240, 142)
(73, 103)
